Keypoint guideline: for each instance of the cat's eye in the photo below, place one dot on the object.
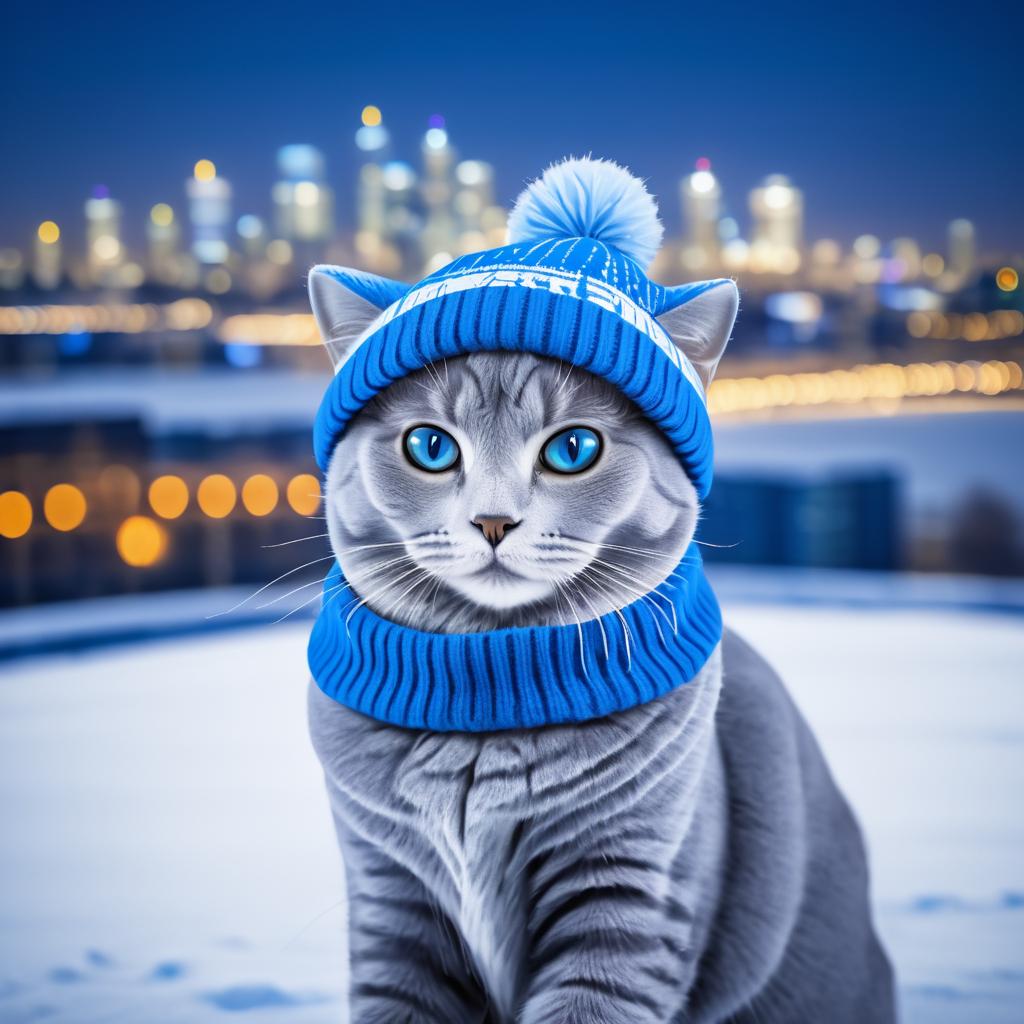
(572, 450)
(431, 448)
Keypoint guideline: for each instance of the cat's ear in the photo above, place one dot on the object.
(346, 302)
(699, 318)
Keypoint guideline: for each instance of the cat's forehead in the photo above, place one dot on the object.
(514, 392)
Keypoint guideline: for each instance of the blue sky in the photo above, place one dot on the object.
(893, 118)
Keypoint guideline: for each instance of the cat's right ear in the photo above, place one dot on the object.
(345, 304)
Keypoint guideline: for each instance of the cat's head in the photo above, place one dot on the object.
(504, 488)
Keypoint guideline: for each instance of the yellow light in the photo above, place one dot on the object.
(259, 495)
(168, 496)
(15, 514)
(304, 494)
(48, 232)
(919, 324)
(371, 116)
(216, 496)
(64, 507)
(141, 541)
(205, 170)
(1006, 278)
(933, 264)
(162, 215)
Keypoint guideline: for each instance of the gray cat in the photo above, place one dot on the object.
(689, 859)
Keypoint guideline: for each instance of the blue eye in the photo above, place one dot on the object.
(571, 450)
(431, 448)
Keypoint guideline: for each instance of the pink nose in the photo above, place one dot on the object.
(494, 528)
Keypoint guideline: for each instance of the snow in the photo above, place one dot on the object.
(168, 853)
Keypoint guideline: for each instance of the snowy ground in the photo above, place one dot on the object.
(166, 853)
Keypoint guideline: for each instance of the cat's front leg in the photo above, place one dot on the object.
(406, 964)
(603, 947)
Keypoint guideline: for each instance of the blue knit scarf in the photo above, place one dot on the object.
(514, 678)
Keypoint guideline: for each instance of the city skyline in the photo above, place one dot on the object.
(892, 133)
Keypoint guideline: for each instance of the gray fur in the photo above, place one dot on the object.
(688, 860)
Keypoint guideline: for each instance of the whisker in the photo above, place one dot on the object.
(310, 600)
(297, 540)
(305, 565)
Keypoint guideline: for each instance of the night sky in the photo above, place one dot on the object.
(893, 118)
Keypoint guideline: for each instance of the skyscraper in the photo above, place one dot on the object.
(303, 201)
(105, 252)
(372, 141)
(438, 237)
(163, 237)
(701, 199)
(777, 209)
(473, 204)
(962, 252)
(209, 211)
(46, 255)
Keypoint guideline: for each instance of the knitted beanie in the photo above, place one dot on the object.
(569, 285)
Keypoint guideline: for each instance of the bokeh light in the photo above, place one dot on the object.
(259, 495)
(141, 541)
(216, 496)
(162, 215)
(304, 494)
(15, 514)
(168, 496)
(1007, 279)
(48, 232)
(371, 116)
(64, 507)
(204, 170)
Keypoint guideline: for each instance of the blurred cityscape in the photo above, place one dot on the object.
(155, 399)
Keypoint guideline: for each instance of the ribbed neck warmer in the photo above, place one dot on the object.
(515, 678)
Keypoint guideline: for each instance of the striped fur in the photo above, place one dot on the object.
(685, 860)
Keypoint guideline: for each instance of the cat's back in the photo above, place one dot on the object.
(795, 923)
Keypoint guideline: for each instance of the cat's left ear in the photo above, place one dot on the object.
(346, 302)
(699, 318)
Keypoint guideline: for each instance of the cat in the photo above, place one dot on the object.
(686, 859)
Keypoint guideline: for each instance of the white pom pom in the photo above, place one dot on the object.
(584, 198)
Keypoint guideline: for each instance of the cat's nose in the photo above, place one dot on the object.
(494, 528)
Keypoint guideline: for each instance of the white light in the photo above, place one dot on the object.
(399, 176)
(436, 138)
(794, 307)
(106, 247)
(371, 137)
(778, 197)
(867, 247)
(702, 181)
(250, 226)
(307, 193)
(471, 172)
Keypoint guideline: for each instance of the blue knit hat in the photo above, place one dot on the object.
(570, 285)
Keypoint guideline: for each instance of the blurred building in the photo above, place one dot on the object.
(105, 250)
(777, 210)
(373, 143)
(832, 522)
(438, 236)
(701, 201)
(962, 251)
(209, 212)
(303, 201)
(163, 246)
(47, 256)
